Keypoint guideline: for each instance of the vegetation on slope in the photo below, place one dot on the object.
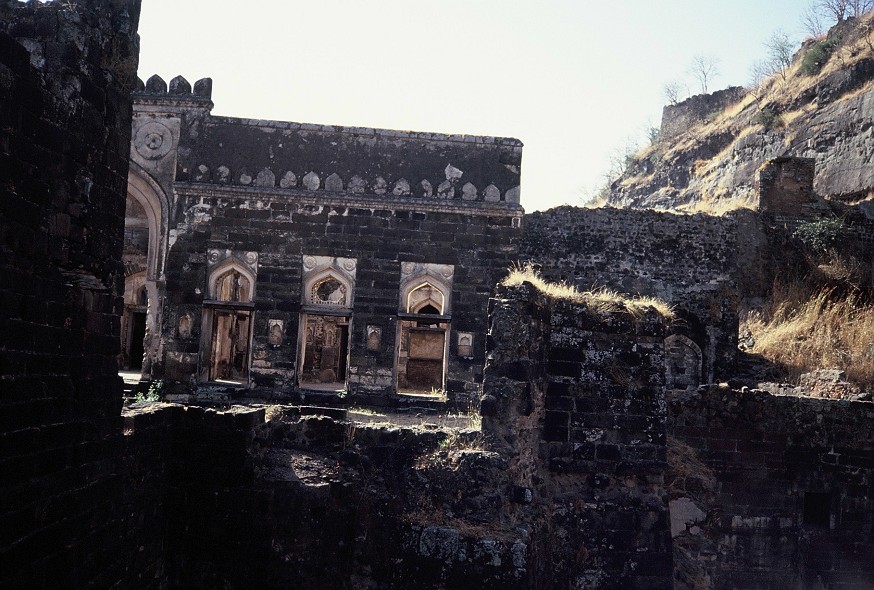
(710, 167)
(820, 313)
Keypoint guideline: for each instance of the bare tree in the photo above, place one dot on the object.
(811, 20)
(672, 91)
(779, 52)
(704, 68)
(859, 7)
(842, 9)
(760, 71)
(834, 8)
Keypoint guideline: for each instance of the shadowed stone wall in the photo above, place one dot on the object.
(66, 71)
(771, 491)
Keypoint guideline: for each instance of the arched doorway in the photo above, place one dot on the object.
(143, 257)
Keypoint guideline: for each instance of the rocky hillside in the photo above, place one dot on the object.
(710, 147)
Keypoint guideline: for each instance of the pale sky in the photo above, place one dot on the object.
(574, 80)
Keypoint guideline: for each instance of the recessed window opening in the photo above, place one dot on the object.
(228, 322)
(326, 318)
(422, 342)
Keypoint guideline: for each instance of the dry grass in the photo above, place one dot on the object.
(775, 93)
(717, 207)
(600, 300)
(804, 332)
(687, 474)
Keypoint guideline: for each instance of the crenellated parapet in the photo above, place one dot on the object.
(179, 92)
(179, 86)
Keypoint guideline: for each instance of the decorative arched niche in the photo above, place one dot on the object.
(326, 317)
(231, 283)
(228, 310)
(423, 327)
(682, 363)
(424, 286)
(329, 281)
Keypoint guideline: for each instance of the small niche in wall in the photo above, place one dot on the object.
(275, 332)
(374, 338)
(465, 344)
(184, 326)
(817, 509)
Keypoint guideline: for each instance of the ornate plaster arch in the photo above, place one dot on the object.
(148, 193)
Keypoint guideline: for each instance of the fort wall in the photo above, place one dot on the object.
(67, 69)
(689, 261)
(778, 487)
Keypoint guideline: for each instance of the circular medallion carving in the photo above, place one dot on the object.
(251, 258)
(153, 140)
(446, 271)
(213, 257)
(349, 265)
(408, 267)
(309, 262)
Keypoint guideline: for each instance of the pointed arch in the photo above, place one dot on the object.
(150, 199)
(231, 282)
(424, 289)
(328, 287)
(142, 188)
(683, 361)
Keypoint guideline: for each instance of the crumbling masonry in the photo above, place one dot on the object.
(248, 261)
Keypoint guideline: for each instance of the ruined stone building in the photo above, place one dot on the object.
(282, 257)
(242, 261)
(284, 260)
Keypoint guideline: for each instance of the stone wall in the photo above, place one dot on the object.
(66, 70)
(771, 491)
(689, 261)
(576, 399)
(679, 118)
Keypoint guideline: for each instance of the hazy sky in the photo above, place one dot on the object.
(572, 79)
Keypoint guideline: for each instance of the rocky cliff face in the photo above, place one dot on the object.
(712, 156)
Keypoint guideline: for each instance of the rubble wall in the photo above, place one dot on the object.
(771, 491)
(689, 261)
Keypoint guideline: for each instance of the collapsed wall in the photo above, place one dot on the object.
(66, 70)
(689, 261)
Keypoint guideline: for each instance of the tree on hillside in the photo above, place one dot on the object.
(760, 71)
(704, 68)
(811, 20)
(673, 91)
(779, 52)
(841, 9)
(859, 7)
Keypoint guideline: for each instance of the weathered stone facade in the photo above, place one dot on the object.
(590, 470)
(406, 234)
(771, 491)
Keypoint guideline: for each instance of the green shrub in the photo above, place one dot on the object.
(821, 235)
(767, 118)
(156, 390)
(817, 56)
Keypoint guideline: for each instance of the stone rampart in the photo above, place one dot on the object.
(679, 118)
(778, 488)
